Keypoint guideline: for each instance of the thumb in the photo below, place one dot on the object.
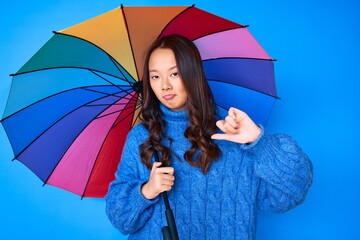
(155, 166)
(218, 136)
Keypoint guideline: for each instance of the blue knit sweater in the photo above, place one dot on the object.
(271, 174)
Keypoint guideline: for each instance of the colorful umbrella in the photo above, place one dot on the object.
(72, 104)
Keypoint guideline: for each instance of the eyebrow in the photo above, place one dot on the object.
(154, 70)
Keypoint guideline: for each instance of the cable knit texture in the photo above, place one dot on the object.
(271, 174)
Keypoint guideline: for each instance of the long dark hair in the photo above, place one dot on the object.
(200, 106)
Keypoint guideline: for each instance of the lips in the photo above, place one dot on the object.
(169, 96)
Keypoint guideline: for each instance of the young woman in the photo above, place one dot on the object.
(216, 182)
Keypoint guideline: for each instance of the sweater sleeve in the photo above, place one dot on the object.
(284, 171)
(127, 209)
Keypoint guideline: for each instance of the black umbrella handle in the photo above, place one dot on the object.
(166, 233)
(171, 224)
(170, 231)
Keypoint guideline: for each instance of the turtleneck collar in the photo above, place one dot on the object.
(174, 116)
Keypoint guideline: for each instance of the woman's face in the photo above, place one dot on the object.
(165, 80)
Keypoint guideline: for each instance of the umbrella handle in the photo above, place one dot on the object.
(171, 224)
(166, 233)
(170, 231)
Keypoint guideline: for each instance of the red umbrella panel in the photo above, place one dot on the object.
(71, 106)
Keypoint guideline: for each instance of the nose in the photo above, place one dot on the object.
(166, 84)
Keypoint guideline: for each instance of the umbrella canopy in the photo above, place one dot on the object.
(72, 104)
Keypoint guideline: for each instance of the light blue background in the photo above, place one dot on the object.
(317, 47)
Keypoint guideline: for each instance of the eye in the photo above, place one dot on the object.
(154, 77)
(175, 74)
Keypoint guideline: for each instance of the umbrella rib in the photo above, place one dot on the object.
(61, 67)
(117, 111)
(223, 30)
(125, 117)
(173, 19)
(45, 182)
(137, 117)
(129, 92)
(83, 88)
(15, 157)
(110, 57)
(186, 9)
(92, 169)
(116, 65)
(131, 84)
(131, 46)
(137, 107)
(109, 94)
(245, 58)
(221, 81)
(99, 105)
